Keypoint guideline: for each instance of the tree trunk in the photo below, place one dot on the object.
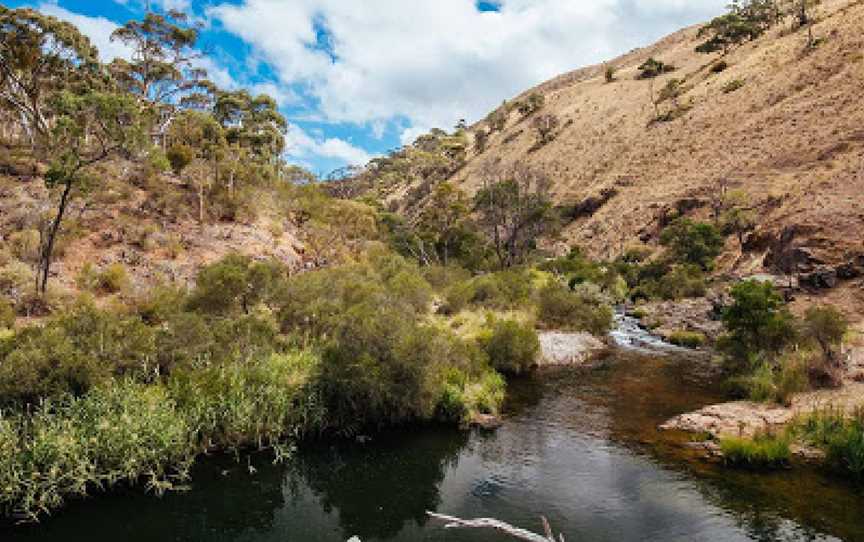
(48, 244)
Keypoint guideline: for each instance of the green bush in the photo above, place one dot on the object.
(652, 68)
(775, 381)
(581, 310)
(509, 289)
(236, 284)
(732, 86)
(688, 339)
(512, 347)
(825, 326)
(695, 243)
(7, 314)
(73, 352)
(757, 322)
(110, 280)
(180, 156)
(762, 451)
(841, 436)
(681, 282)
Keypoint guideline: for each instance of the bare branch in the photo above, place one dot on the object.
(506, 528)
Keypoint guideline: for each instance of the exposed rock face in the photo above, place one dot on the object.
(559, 348)
(739, 418)
(699, 314)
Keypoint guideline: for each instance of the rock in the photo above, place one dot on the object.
(737, 418)
(820, 279)
(485, 421)
(559, 348)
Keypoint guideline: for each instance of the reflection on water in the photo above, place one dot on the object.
(579, 446)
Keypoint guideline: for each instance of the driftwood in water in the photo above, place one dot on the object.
(506, 528)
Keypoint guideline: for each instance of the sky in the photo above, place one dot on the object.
(357, 78)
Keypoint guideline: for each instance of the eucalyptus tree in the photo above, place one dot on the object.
(514, 208)
(39, 56)
(164, 72)
(88, 128)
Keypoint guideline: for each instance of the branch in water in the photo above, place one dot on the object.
(506, 528)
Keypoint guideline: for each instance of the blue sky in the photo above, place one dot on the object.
(356, 78)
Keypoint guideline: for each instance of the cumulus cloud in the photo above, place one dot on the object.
(300, 146)
(435, 61)
(98, 29)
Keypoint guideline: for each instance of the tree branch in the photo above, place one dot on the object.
(506, 528)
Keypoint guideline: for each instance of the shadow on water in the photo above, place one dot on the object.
(579, 446)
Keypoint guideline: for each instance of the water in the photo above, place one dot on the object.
(578, 446)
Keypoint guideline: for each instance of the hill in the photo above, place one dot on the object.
(773, 119)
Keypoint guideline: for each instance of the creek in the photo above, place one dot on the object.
(578, 445)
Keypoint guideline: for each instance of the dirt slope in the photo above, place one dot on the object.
(150, 227)
(792, 137)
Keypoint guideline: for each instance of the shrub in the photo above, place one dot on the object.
(719, 66)
(512, 347)
(825, 326)
(503, 290)
(180, 156)
(757, 322)
(764, 450)
(732, 86)
(681, 282)
(695, 243)
(545, 125)
(688, 339)
(609, 73)
(652, 68)
(841, 436)
(113, 278)
(530, 105)
(25, 245)
(236, 284)
(157, 162)
(73, 352)
(7, 314)
(583, 309)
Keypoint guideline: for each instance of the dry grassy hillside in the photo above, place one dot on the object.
(146, 223)
(792, 137)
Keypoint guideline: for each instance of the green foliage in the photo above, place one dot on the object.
(682, 281)
(75, 351)
(112, 279)
(127, 432)
(512, 347)
(688, 339)
(530, 105)
(746, 20)
(764, 450)
(179, 156)
(7, 314)
(757, 322)
(508, 289)
(696, 243)
(825, 326)
(236, 284)
(841, 436)
(732, 86)
(652, 68)
(609, 73)
(582, 309)
(514, 209)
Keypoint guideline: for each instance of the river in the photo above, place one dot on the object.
(578, 445)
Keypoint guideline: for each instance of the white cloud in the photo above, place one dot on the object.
(98, 29)
(301, 146)
(435, 61)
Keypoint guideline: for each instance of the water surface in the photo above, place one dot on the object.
(578, 446)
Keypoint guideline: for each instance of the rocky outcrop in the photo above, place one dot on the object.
(664, 318)
(561, 348)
